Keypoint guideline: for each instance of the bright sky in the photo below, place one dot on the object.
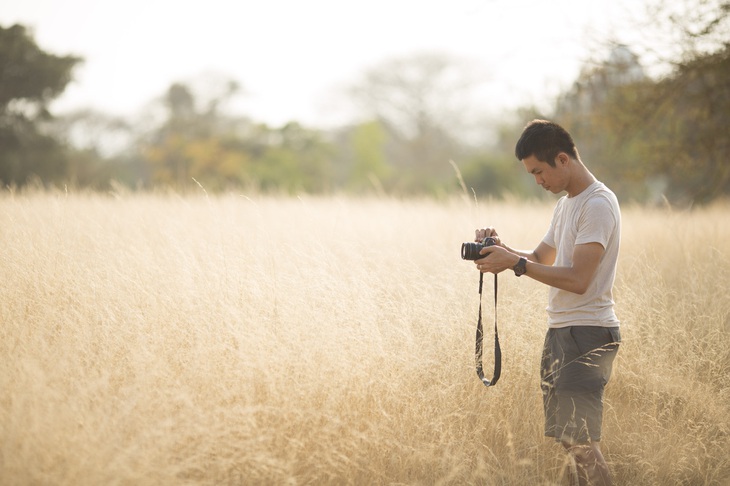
(291, 55)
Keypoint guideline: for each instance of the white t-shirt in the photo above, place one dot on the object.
(593, 216)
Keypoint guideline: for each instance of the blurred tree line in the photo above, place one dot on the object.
(647, 137)
(667, 137)
(29, 80)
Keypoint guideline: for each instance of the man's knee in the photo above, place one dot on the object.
(583, 453)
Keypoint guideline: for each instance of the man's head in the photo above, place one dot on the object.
(545, 140)
(548, 153)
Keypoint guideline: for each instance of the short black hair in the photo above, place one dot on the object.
(545, 140)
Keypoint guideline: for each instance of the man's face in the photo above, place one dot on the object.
(553, 179)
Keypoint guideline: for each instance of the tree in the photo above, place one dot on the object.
(370, 166)
(294, 158)
(97, 146)
(495, 171)
(678, 122)
(197, 140)
(360, 155)
(29, 80)
(596, 110)
(663, 136)
(691, 128)
(424, 101)
(678, 31)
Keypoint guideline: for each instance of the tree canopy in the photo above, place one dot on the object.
(29, 79)
(665, 137)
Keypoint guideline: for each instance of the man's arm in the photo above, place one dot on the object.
(576, 278)
(544, 253)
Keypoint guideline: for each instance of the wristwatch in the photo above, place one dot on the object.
(521, 267)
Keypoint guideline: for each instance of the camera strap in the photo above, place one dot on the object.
(480, 339)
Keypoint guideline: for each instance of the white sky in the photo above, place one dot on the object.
(290, 56)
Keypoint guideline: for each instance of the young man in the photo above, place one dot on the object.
(577, 259)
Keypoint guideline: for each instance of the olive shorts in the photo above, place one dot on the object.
(576, 365)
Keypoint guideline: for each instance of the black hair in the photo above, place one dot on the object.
(545, 140)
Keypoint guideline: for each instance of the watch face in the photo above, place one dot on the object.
(520, 268)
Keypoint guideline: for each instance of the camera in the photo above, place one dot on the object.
(470, 251)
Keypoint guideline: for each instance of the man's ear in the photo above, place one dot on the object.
(562, 158)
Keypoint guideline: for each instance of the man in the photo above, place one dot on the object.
(577, 259)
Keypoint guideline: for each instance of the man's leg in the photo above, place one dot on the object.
(590, 465)
(576, 365)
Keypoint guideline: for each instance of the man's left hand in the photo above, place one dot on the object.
(496, 259)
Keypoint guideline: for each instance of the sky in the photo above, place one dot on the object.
(292, 57)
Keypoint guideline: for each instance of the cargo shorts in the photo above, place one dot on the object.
(575, 367)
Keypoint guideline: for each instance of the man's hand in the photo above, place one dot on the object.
(496, 259)
(489, 232)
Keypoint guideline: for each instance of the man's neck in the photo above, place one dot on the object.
(581, 180)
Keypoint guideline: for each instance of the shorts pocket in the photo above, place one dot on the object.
(587, 367)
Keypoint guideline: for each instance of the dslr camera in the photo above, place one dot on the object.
(470, 251)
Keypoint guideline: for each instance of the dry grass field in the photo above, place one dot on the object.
(162, 339)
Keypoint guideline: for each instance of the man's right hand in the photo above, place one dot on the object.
(490, 232)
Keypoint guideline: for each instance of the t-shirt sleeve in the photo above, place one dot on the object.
(549, 238)
(597, 222)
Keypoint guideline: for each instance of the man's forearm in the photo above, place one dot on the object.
(564, 278)
(575, 278)
(529, 255)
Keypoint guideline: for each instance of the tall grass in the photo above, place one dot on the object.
(156, 339)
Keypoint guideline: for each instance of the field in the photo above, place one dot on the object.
(165, 339)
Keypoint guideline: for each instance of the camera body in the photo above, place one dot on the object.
(470, 251)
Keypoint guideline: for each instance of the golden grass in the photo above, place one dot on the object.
(156, 339)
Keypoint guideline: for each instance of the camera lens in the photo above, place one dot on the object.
(470, 251)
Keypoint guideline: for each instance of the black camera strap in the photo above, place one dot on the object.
(480, 339)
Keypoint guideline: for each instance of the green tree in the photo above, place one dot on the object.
(678, 123)
(97, 147)
(293, 158)
(494, 170)
(596, 110)
(367, 147)
(30, 79)
(690, 128)
(197, 140)
(663, 136)
(425, 101)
